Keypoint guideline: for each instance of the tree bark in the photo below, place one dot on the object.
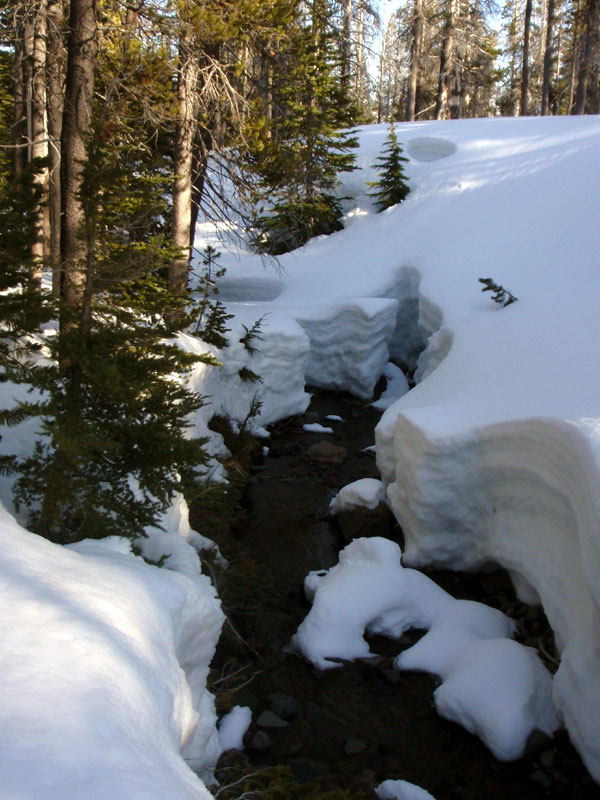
(585, 62)
(20, 95)
(415, 60)
(446, 60)
(548, 51)
(524, 105)
(55, 76)
(346, 48)
(183, 164)
(39, 139)
(77, 119)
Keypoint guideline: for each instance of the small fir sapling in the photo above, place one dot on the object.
(391, 188)
(500, 295)
(251, 334)
(246, 374)
(211, 324)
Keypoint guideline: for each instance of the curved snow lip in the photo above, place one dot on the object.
(430, 148)
(522, 494)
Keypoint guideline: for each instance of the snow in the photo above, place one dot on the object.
(315, 427)
(365, 492)
(397, 387)
(494, 687)
(232, 728)
(104, 662)
(401, 790)
(494, 456)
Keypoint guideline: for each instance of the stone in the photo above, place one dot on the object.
(283, 705)
(354, 746)
(256, 741)
(327, 453)
(537, 742)
(542, 779)
(270, 720)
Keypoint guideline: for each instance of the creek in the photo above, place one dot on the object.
(365, 722)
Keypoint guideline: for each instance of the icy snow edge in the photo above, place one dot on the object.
(522, 495)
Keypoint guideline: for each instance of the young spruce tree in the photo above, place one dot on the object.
(391, 188)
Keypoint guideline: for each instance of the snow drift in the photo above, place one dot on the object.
(104, 662)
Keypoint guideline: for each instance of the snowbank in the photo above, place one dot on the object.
(494, 687)
(102, 673)
(495, 455)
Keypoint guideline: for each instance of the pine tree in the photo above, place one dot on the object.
(113, 407)
(307, 146)
(391, 188)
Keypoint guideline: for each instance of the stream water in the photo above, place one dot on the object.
(356, 726)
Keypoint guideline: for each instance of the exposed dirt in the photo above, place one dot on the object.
(363, 723)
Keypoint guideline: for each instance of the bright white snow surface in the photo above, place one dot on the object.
(494, 456)
(103, 671)
(493, 686)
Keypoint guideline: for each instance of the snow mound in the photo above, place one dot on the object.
(401, 790)
(429, 148)
(315, 427)
(366, 492)
(103, 673)
(493, 686)
(233, 726)
(500, 691)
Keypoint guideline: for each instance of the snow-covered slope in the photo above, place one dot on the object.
(103, 670)
(495, 455)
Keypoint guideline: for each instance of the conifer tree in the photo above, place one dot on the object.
(307, 146)
(113, 409)
(391, 188)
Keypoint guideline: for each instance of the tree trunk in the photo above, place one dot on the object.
(182, 165)
(20, 95)
(446, 61)
(39, 139)
(548, 50)
(55, 75)
(524, 106)
(79, 96)
(415, 60)
(585, 63)
(346, 48)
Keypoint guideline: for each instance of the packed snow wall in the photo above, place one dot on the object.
(521, 495)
